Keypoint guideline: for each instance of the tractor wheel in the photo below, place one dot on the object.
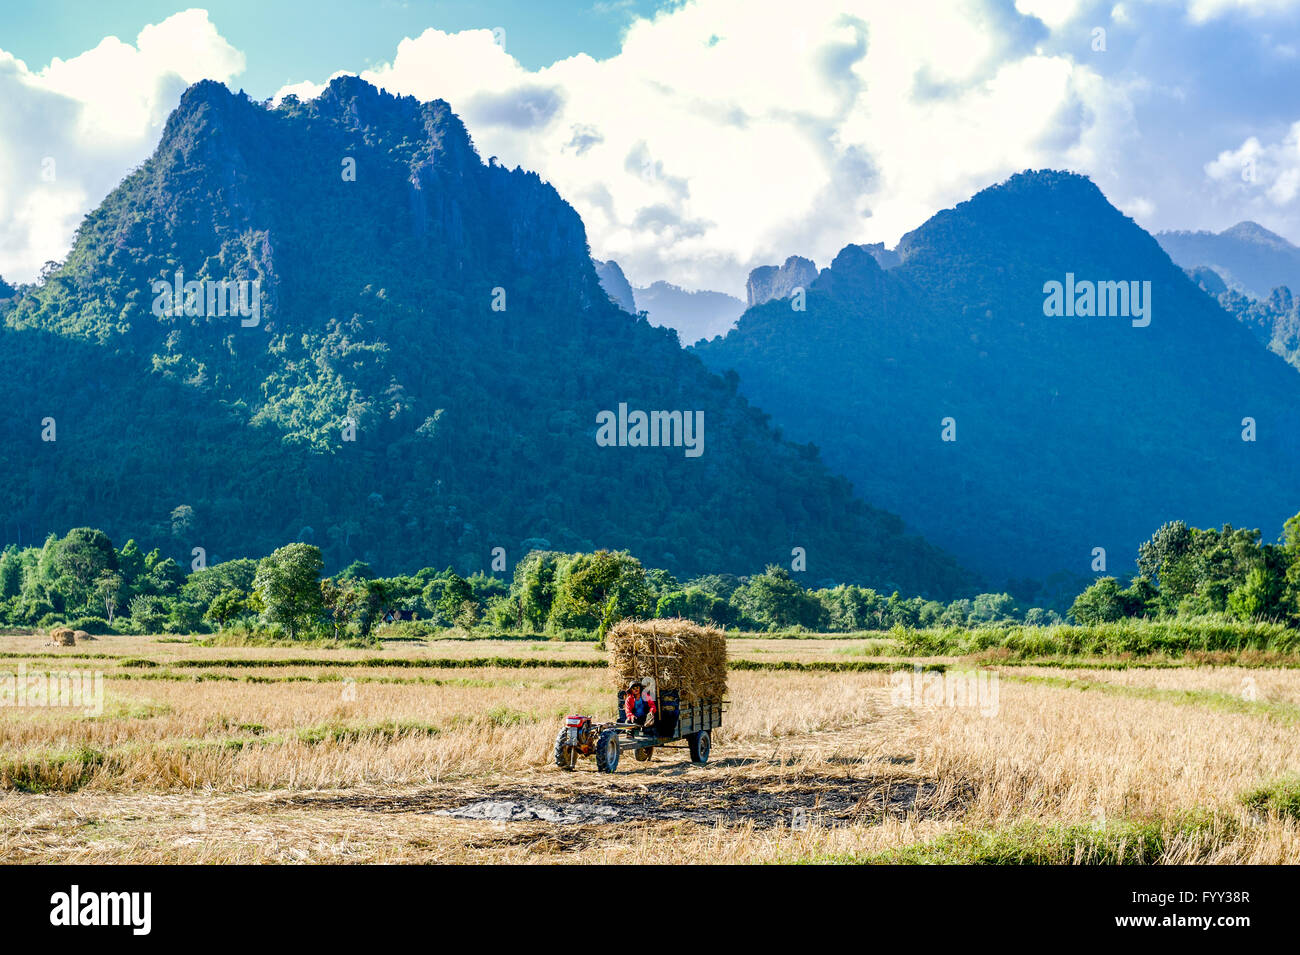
(643, 753)
(698, 743)
(607, 751)
(565, 757)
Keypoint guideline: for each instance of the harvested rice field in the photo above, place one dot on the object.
(441, 751)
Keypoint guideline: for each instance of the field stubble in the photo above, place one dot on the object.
(372, 762)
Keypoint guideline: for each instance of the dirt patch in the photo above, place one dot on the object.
(766, 802)
(501, 810)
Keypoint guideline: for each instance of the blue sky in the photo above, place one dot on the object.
(699, 139)
(290, 40)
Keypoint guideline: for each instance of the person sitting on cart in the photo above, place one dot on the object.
(638, 707)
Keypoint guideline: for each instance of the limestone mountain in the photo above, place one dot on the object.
(770, 282)
(1247, 256)
(1065, 434)
(420, 383)
(694, 314)
(615, 283)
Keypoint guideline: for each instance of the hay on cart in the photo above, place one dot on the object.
(677, 654)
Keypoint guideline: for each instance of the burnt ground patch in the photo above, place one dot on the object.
(765, 801)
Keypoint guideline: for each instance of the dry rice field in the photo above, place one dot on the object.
(439, 751)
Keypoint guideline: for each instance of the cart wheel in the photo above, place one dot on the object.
(565, 757)
(643, 753)
(698, 744)
(607, 751)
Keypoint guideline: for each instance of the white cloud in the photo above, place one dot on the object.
(71, 130)
(1202, 11)
(714, 142)
(731, 133)
(1054, 13)
(1262, 177)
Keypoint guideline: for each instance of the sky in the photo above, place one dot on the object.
(701, 139)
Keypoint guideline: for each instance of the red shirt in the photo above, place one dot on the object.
(630, 706)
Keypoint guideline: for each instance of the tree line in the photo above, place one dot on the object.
(82, 580)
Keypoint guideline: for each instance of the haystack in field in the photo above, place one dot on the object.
(63, 637)
(677, 654)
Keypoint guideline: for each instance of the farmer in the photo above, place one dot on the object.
(638, 707)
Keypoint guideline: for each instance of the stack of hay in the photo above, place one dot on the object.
(691, 659)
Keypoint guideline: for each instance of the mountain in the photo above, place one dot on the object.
(694, 315)
(615, 283)
(1248, 257)
(1274, 321)
(1071, 433)
(770, 282)
(420, 372)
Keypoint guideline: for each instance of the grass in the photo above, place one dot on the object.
(1031, 843)
(62, 771)
(1288, 714)
(331, 754)
(1125, 637)
(1280, 797)
(242, 638)
(70, 769)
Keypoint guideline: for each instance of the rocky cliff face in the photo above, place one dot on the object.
(772, 282)
(423, 383)
(616, 285)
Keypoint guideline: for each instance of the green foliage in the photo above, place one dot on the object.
(441, 401)
(288, 585)
(226, 607)
(775, 601)
(1232, 593)
(1281, 797)
(1126, 842)
(595, 591)
(1173, 637)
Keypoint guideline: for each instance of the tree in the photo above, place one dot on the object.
(534, 582)
(148, 613)
(226, 606)
(456, 593)
(695, 604)
(342, 599)
(1259, 597)
(774, 599)
(78, 560)
(108, 587)
(11, 573)
(1166, 560)
(992, 608)
(204, 585)
(597, 590)
(1100, 603)
(288, 583)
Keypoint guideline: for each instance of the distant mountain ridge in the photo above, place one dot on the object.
(1068, 434)
(613, 281)
(1247, 256)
